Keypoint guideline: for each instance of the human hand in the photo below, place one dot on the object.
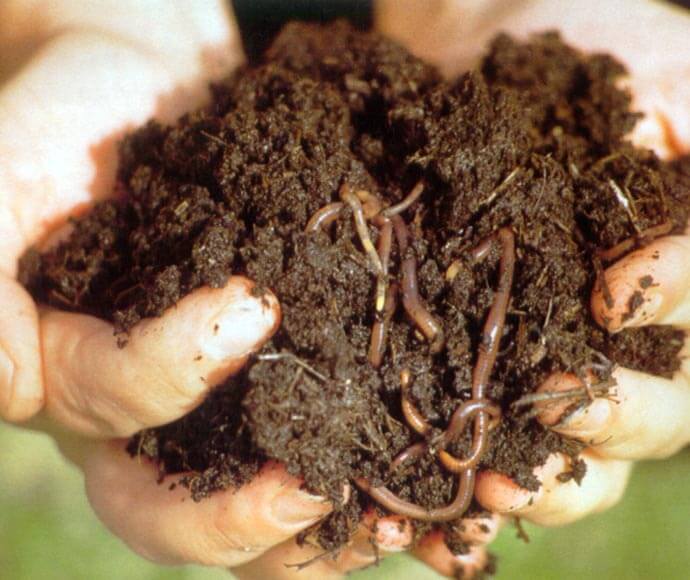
(646, 416)
(95, 75)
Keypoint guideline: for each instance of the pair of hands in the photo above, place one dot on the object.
(89, 75)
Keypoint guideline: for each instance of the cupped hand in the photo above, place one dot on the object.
(95, 73)
(645, 416)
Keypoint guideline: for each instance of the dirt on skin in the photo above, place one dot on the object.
(532, 140)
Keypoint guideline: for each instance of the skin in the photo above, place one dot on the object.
(63, 372)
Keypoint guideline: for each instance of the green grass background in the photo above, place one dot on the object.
(47, 531)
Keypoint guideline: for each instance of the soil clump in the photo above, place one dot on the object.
(532, 143)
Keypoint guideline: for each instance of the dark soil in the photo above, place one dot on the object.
(533, 139)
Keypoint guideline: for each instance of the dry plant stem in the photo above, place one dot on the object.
(412, 301)
(600, 389)
(615, 252)
(449, 513)
(488, 348)
(398, 208)
(324, 217)
(275, 356)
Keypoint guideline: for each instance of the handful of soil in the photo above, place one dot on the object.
(433, 245)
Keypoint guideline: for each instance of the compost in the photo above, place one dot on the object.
(433, 244)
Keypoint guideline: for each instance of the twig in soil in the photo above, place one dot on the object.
(499, 188)
(214, 138)
(324, 217)
(626, 201)
(549, 311)
(398, 208)
(600, 389)
(412, 301)
(621, 248)
(276, 356)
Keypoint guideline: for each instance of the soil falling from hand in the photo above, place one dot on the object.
(533, 140)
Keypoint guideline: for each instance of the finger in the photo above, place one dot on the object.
(452, 34)
(166, 368)
(21, 383)
(100, 73)
(646, 417)
(438, 30)
(478, 531)
(648, 286)
(59, 153)
(165, 525)
(433, 551)
(376, 538)
(559, 500)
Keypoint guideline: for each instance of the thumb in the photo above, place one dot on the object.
(166, 368)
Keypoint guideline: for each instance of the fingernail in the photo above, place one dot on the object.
(499, 493)
(642, 308)
(298, 508)
(592, 419)
(242, 326)
(478, 531)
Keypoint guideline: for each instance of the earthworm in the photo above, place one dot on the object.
(412, 301)
(491, 334)
(398, 208)
(371, 204)
(385, 241)
(379, 331)
(478, 253)
(412, 415)
(324, 217)
(457, 424)
(464, 413)
(412, 452)
(448, 513)
(615, 252)
(383, 248)
(361, 225)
